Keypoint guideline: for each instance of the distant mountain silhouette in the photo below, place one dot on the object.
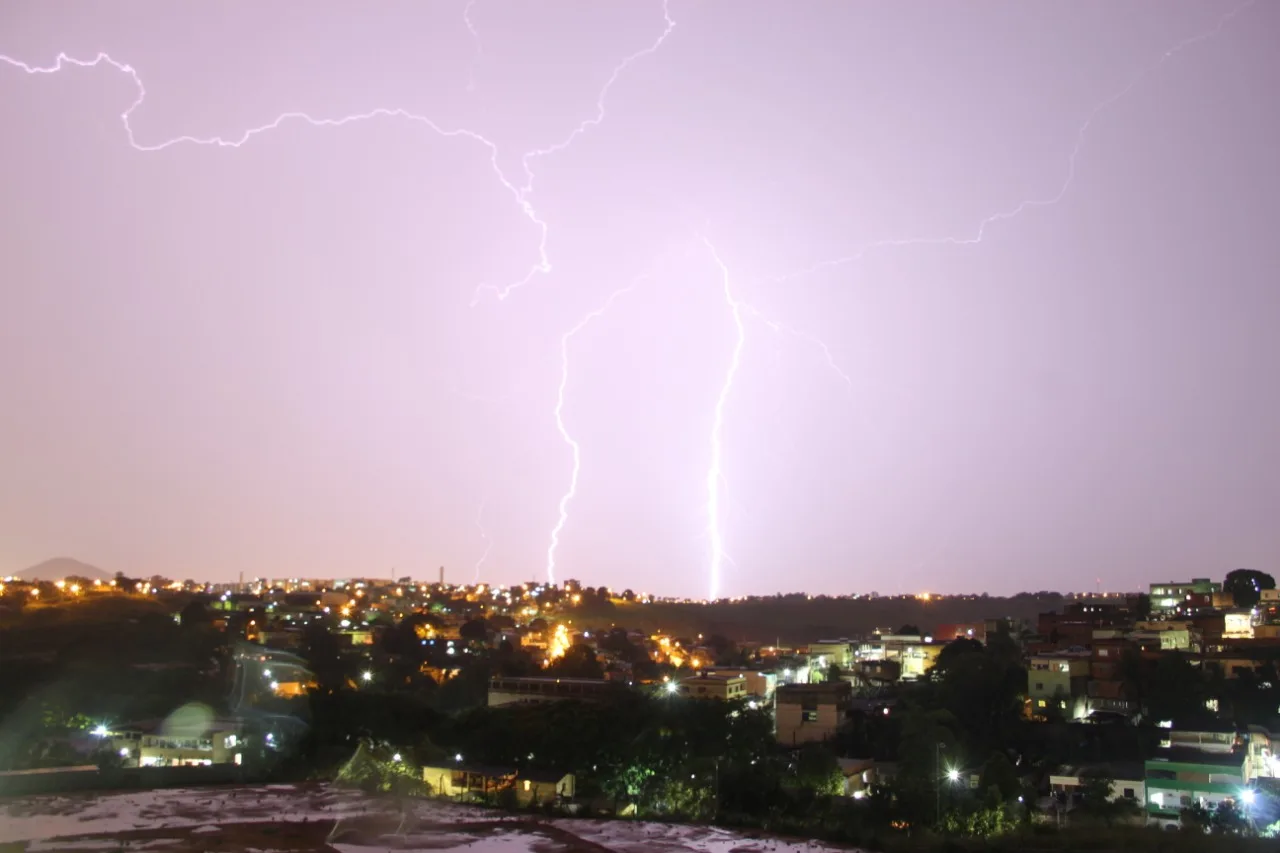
(63, 567)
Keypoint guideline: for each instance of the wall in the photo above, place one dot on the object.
(73, 779)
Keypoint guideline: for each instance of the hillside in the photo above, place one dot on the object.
(63, 567)
(798, 619)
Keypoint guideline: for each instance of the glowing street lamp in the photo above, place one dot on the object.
(953, 775)
(100, 730)
(366, 676)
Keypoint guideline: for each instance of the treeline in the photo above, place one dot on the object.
(68, 668)
(798, 619)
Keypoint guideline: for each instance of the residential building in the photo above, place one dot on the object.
(704, 685)
(462, 780)
(1078, 623)
(805, 713)
(961, 631)
(1262, 760)
(913, 654)
(507, 691)
(1058, 684)
(544, 786)
(1109, 691)
(859, 775)
(1128, 781)
(1178, 778)
(1175, 596)
(840, 652)
(1237, 625)
(1173, 635)
(760, 683)
(1216, 738)
(219, 742)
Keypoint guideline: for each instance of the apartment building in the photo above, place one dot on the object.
(706, 685)
(1180, 777)
(508, 691)
(1183, 596)
(841, 652)
(1058, 684)
(807, 713)
(760, 683)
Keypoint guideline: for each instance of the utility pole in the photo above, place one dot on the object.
(937, 780)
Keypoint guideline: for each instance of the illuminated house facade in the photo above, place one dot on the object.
(810, 713)
(707, 685)
(1181, 777)
(1171, 597)
(1058, 684)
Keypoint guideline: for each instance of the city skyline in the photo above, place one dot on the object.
(727, 298)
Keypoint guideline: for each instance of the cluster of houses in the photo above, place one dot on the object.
(1073, 657)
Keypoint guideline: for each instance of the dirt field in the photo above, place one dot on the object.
(297, 818)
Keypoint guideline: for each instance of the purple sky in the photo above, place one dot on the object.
(269, 358)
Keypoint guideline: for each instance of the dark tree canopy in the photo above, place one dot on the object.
(1246, 585)
(475, 630)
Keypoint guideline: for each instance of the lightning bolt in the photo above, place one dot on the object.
(475, 37)
(526, 162)
(1081, 133)
(576, 449)
(518, 193)
(783, 328)
(715, 474)
(484, 536)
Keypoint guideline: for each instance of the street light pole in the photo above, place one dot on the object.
(937, 780)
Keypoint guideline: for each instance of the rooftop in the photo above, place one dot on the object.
(1188, 755)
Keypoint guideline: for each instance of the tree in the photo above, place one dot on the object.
(475, 631)
(1097, 799)
(818, 770)
(999, 773)
(952, 652)
(578, 662)
(910, 630)
(1246, 586)
(1227, 819)
(195, 613)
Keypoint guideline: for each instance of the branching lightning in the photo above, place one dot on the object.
(522, 194)
(783, 328)
(980, 233)
(475, 37)
(572, 490)
(522, 190)
(484, 536)
(715, 475)
(518, 193)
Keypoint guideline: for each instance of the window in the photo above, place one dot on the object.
(1128, 794)
(809, 716)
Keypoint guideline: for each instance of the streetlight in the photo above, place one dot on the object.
(953, 775)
